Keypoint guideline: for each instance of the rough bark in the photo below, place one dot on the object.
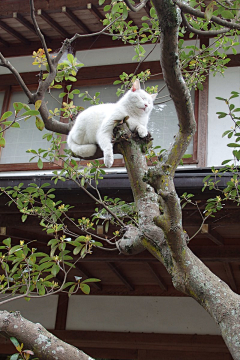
(36, 338)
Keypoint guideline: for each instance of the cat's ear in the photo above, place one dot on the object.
(136, 85)
(153, 96)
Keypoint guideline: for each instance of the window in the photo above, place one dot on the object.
(19, 140)
(163, 124)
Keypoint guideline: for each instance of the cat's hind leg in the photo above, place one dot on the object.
(85, 150)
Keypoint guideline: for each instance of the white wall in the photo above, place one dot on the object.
(217, 149)
(158, 314)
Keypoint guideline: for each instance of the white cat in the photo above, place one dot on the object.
(95, 124)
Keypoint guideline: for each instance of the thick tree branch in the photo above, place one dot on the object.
(169, 20)
(189, 10)
(146, 199)
(36, 338)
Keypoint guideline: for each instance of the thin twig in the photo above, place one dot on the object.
(202, 32)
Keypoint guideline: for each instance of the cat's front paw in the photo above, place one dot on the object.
(142, 132)
(108, 160)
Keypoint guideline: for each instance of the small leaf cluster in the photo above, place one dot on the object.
(21, 112)
(21, 354)
(234, 132)
(123, 210)
(128, 79)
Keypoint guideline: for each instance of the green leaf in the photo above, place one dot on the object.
(40, 164)
(18, 106)
(15, 125)
(221, 114)
(209, 11)
(55, 269)
(24, 217)
(14, 249)
(106, 8)
(2, 142)
(38, 103)
(233, 145)
(70, 58)
(152, 12)
(90, 280)
(85, 288)
(125, 12)
(39, 124)
(7, 242)
(227, 14)
(101, 2)
(220, 98)
(6, 115)
(115, 8)
(14, 341)
(226, 132)
(14, 357)
(31, 113)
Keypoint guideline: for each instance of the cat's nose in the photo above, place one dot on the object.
(145, 105)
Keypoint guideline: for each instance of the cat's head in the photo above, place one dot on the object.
(141, 99)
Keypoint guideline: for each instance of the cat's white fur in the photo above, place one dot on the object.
(95, 124)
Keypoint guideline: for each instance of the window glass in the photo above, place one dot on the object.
(19, 140)
(163, 124)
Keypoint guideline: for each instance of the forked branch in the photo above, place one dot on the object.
(138, 7)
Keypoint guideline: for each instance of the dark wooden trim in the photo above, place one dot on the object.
(6, 100)
(94, 10)
(60, 30)
(27, 166)
(75, 19)
(118, 273)
(156, 276)
(14, 33)
(88, 275)
(5, 43)
(62, 310)
(28, 25)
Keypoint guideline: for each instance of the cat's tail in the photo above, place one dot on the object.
(84, 151)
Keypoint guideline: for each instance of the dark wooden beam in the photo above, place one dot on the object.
(147, 9)
(157, 276)
(28, 25)
(75, 20)
(62, 309)
(88, 275)
(14, 33)
(198, 344)
(52, 6)
(212, 234)
(117, 272)
(94, 10)
(61, 31)
(5, 43)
